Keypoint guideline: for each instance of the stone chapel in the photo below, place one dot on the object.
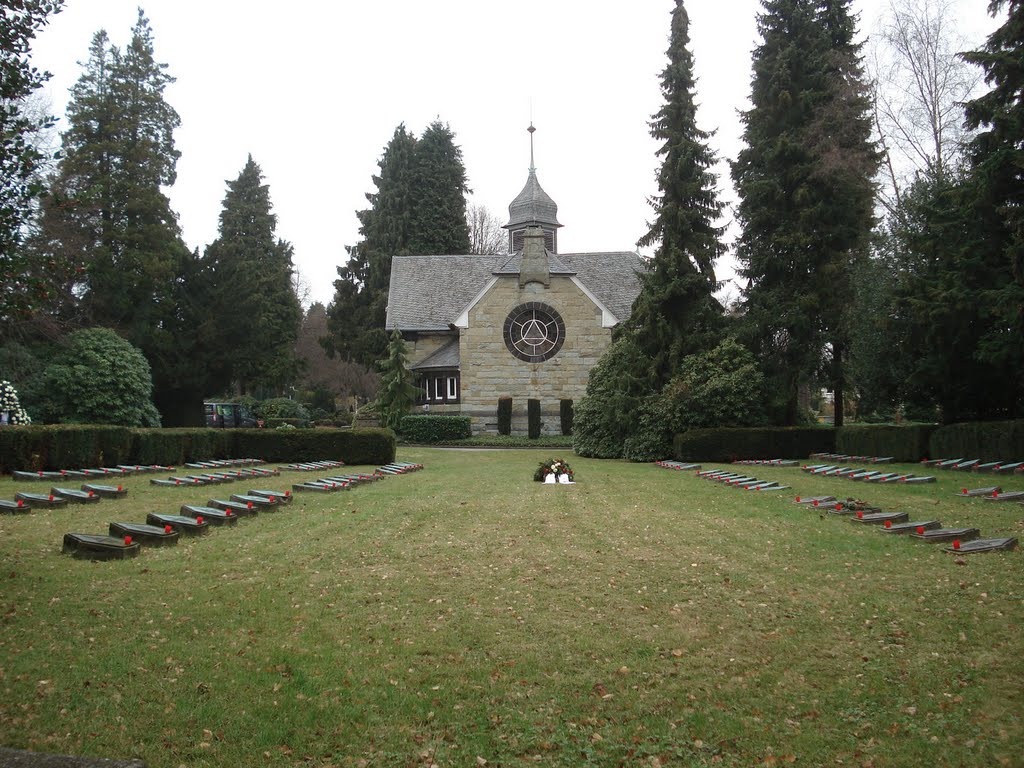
(527, 324)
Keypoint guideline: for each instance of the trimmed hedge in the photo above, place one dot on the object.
(533, 418)
(908, 443)
(753, 443)
(65, 446)
(435, 429)
(71, 447)
(985, 440)
(565, 416)
(504, 415)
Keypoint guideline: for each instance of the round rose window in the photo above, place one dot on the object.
(534, 332)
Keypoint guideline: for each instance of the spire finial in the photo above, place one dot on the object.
(531, 129)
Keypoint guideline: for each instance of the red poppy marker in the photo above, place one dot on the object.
(860, 515)
(273, 500)
(839, 507)
(40, 473)
(956, 543)
(127, 540)
(963, 491)
(920, 530)
(120, 488)
(995, 494)
(815, 502)
(797, 499)
(249, 505)
(888, 523)
(21, 503)
(51, 497)
(287, 493)
(227, 513)
(167, 529)
(177, 482)
(199, 519)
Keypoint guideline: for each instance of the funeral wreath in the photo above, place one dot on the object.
(555, 467)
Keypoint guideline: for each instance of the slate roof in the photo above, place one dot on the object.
(513, 260)
(532, 206)
(446, 357)
(428, 293)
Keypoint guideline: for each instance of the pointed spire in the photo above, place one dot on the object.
(532, 130)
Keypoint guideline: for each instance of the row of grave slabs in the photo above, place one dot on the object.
(125, 539)
(959, 540)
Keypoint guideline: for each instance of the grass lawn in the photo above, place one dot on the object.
(465, 614)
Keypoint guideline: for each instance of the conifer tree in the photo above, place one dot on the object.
(676, 313)
(997, 162)
(804, 182)
(248, 271)
(397, 392)
(419, 208)
(108, 212)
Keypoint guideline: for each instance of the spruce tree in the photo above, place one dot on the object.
(397, 392)
(419, 208)
(248, 271)
(997, 196)
(676, 313)
(804, 182)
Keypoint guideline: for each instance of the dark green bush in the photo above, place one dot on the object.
(753, 443)
(275, 423)
(283, 408)
(533, 418)
(909, 443)
(565, 415)
(353, 446)
(434, 429)
(64, 447)
(986, 440)
(504, 415)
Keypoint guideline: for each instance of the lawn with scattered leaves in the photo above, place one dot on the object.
(467, 616)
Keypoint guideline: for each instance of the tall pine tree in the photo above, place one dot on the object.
(804, 182)
(676, 313)
(997, 163)
(419, 208)
(247, 273)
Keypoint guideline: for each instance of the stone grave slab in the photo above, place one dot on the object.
(116, 471)
(988, 466)
(770, 487)
(1008, 496)
(946, 534)
(29, 477)
(320, 486)
(883, 460)
(183, 524)
(106, 491)
(237, 508)
(345, 479)
(151, 535)
(1004, 469)
(883, 477)
(966, 465)
(879, 518)
(263, 502)
(282, 497)
(210, 515)
(41, 500)
(155, 481)
(947, 463)
(814, 501)
(973, 492)
(16, 507)
(89, 546)
(983, 545)
(75, 496)
(866, 474)
(917, 480)
(909, 527)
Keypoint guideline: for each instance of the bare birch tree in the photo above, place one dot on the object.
(486, 236)
(920, 86)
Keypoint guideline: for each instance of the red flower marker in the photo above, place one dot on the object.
(51, 497)
(21, 502)
(839, 507)
(249, 504)
(167, 529)
(797, 499)
(963, 491)
(127, 540)
(120, 488)
(995, 494)
(815, 502)
(177, 482)
(956, 543)
(888, 523)
(920, 530)
(199, 519)
(227, 513)
(860, 515)
(287, 493)
(91, 494)
(273, 500)
(40, 473)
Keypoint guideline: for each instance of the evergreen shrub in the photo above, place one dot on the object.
(985, 440)
(504, 415)
(434, 429)
(283, 408)
(565, 416)
(905, 443)
(63, 447)
(727, 444)
(533, 418)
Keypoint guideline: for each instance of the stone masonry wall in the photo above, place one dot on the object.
(490, 371)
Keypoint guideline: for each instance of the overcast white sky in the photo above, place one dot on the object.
(314, 89)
